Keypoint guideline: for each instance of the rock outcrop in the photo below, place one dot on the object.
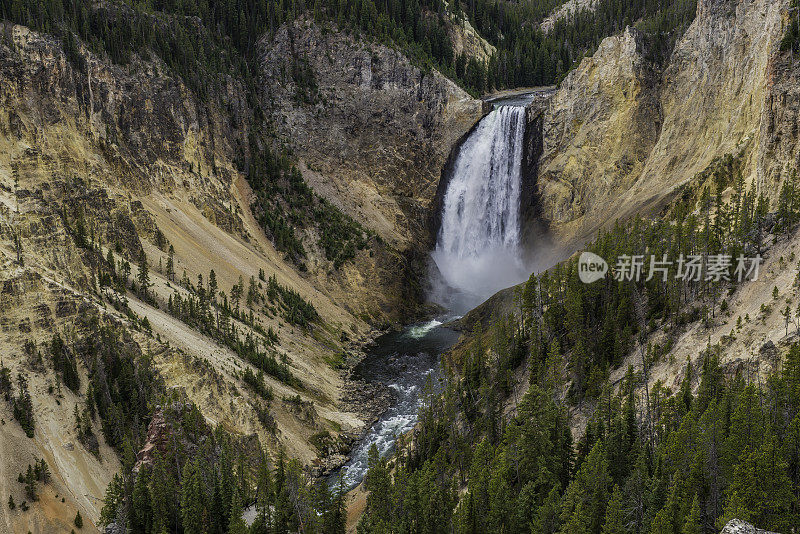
(377, 129)
(598, 132)
(467, 41)
(566, 11)
(737, 526)
(621, 137)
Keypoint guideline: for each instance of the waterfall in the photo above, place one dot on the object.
(478, 247)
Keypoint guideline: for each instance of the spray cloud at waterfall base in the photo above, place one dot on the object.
(478, 249)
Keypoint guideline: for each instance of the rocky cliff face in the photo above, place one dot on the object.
(372, 132)
(598, 132)
(376, 131)
(152, 130)
(779, 151)
(620, 137)
(114, 154)
(467, 41)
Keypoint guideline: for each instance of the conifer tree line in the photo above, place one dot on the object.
(213, 313)
(64, 365)
(205, 479)
(202, 305)
(791, 39)
(200, 479)
(525, 56)
(730, 451)
(37, 473)
(652, 460)
(20, 403)
(599, 323)
(121, 384)
(284, 203)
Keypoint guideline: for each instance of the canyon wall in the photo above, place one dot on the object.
(377, 131)
(105, 160)
(621, 137)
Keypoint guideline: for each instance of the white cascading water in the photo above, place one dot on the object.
(477, 253)
(478, 247)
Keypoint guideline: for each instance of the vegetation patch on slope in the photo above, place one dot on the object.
(285, 205)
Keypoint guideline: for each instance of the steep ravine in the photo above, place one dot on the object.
(144, 164)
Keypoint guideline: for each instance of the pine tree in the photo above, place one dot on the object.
(191, 499)
(114, 498)
(162, 490)
(547, 520)
(585, 501)
(44, 471)
(335, 520)
(212, 286)
(126, 272)
(578, 522)
(761, 489)
(143, 278)
(236, 524)
(23, 407)
(227, 482)
(283, 511)
(378, 483)
(110, 261)
(252, 292)
(686, 389)
(141, 513)
(171, 264)
(78, 520)
(692, 523)
(614, 518)
(264, 484)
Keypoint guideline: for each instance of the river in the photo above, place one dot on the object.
(407, 361)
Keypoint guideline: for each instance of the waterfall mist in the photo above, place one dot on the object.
(478, 252)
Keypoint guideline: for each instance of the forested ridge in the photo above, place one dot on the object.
(226, 37)
(205, 478)
(652, 460)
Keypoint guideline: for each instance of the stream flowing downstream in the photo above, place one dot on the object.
(408, 362)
